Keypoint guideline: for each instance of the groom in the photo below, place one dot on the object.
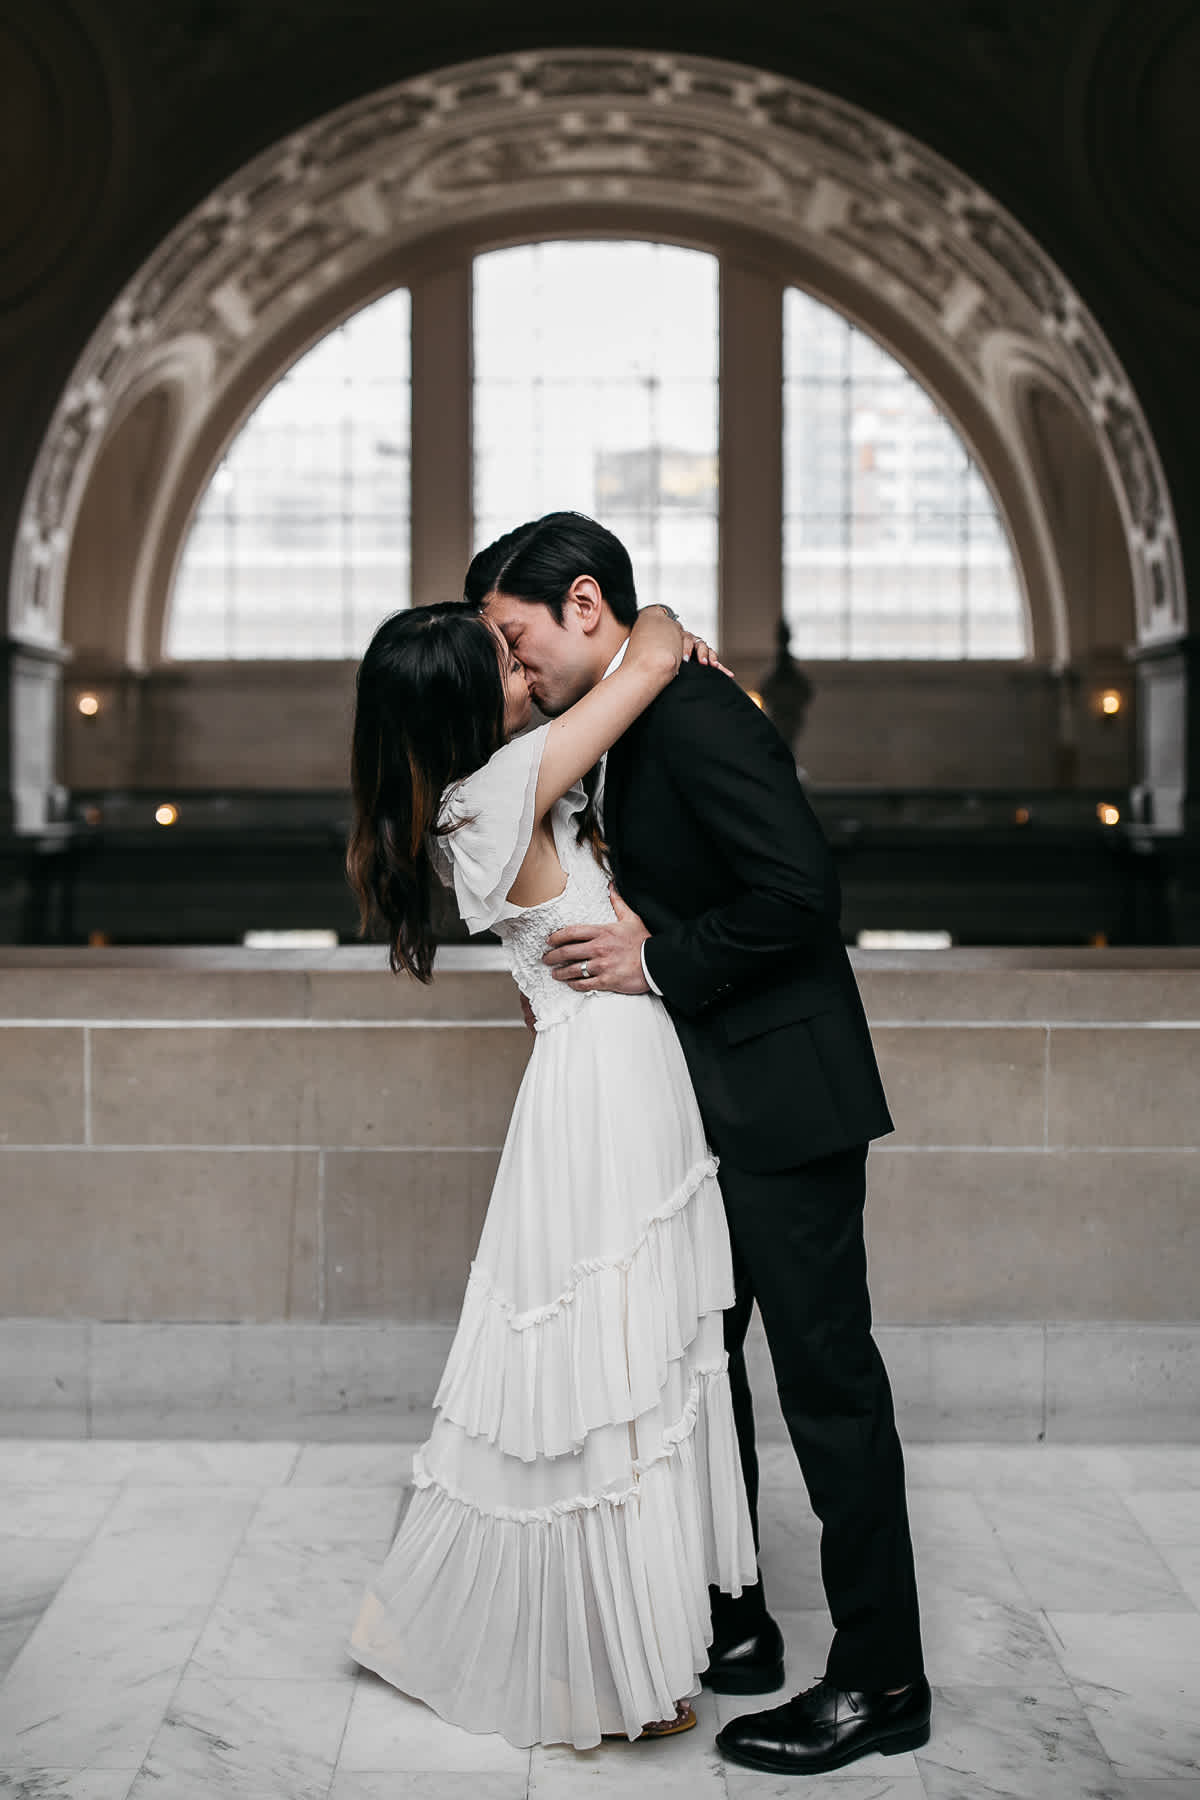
(728, 907)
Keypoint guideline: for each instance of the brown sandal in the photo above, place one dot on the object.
(684, 1719)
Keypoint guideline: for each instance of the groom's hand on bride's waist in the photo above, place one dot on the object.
(603, 959)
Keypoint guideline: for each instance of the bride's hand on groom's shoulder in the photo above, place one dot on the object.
(601, 959)
(696, 650)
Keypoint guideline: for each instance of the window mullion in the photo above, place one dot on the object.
(441, 433)
(751, 472)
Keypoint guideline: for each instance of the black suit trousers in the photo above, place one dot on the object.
(798, 1251)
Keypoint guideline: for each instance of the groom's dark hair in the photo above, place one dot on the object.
(540, 560)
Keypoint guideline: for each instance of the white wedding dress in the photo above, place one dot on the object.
(581, 1486)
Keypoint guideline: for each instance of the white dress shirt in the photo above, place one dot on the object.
(614, 664)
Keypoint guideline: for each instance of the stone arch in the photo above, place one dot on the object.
(870, 219)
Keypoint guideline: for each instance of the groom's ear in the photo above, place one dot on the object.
(588, 602)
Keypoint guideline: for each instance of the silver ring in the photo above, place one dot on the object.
(583, 974)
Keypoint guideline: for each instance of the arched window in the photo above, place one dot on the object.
(892, 545)
(593, 368)
(301, 542)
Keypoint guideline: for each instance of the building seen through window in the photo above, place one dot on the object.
(893, 546)
(301, 542)
(596, 368)
(595, 386)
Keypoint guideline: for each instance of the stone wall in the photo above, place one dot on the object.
(287, 726)
(240, 1191)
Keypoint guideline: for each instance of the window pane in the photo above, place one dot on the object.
(596, 391)
(301, 541)
(893, 546)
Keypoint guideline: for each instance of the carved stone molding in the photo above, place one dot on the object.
(719, 142)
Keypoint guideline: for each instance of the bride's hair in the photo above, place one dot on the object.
(429, 710)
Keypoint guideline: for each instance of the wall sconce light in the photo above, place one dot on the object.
(1110, 703)
(88, 705)
(1108, 814)
(166, 814)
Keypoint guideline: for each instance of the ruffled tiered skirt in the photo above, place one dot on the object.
(581, 1487)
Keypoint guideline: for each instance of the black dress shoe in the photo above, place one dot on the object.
(746, 1659)
(826, 1727)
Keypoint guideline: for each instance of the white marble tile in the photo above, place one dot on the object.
(1168, 1518)
(28, 1462)
(179, 1463)
(958, 1550)
(1119, 1647)
(185, 1511)
(354, 1465)
(1155, 1468)
(992, 1468)
(1183, 1560)
(194, 1461)
(91, 1685)
(851, 1783)
(246, 1740)
(326, 1515)
(789, 1534)
(154, 1568)
(973, 1638)
(1006, 1743)
(382, 1785)
(1181, 1789)
(1149, 1725)
(286, 1609)
(1082, 1553)
(31, 1572)
(387, 1730)
(61, 1512)
(688, 1767)
(162, 1546)
(67, 1784)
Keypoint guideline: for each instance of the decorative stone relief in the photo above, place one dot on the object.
(714, 140)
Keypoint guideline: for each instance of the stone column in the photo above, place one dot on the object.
(1166, 798)
(32, 803)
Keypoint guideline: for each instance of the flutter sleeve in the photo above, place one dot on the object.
(487, 822)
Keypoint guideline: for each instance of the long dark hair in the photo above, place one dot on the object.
(429, 709)
(538, 561)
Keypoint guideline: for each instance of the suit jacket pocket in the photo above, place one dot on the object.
(789, 1004)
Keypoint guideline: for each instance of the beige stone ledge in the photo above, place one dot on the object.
(976, 986)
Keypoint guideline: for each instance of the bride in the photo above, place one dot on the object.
(581, 1487)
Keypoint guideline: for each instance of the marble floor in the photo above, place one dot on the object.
(172, 1617)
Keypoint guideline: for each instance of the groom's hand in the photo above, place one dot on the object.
(612, 954)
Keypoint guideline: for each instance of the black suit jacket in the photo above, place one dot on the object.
(714, 844)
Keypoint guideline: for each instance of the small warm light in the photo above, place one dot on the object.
(756, 697)
(88, 705)
(166, 814)
(1110, 702)
(1108, 815)
(1021, 816)
(92, 815)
